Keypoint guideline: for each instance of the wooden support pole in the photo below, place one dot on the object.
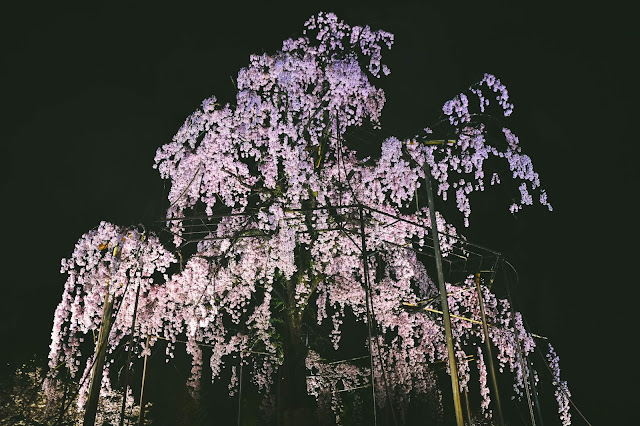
(519, 351)
(144, 377)
(240, 393)
(536, 400)
(91, 407)
(487, 345)
(467, 406)
(455, 386)
(129, 351)
(435, 311)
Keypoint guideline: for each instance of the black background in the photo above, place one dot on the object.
(89, 94)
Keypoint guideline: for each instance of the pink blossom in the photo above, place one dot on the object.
(279, 149)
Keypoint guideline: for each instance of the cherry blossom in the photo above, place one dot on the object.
(108, 262)
(301, 234)
(562, 393)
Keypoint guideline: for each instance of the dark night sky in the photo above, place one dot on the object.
(89, 94)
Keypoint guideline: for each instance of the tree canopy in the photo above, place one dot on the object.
(298, 234)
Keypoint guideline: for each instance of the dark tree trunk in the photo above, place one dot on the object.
(296, 407)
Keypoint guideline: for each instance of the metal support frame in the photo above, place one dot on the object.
(367, 290)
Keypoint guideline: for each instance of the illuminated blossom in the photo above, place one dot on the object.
(277, 170)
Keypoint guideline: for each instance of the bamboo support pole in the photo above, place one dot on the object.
(487, 343)
(467, 406)
(471, 320)
(536, 400)
(455, 386)
(91, 406)
(520, 354)
(240, 394)
(144, 377)
(129, 351)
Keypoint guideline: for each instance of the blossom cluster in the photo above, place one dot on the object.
(562, 392)
(109, 264)
(459, 162)
(290, 111)
(484, 389)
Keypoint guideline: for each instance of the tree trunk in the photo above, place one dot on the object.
(295, 405)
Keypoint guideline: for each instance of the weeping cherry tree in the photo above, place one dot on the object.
(303, 236)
